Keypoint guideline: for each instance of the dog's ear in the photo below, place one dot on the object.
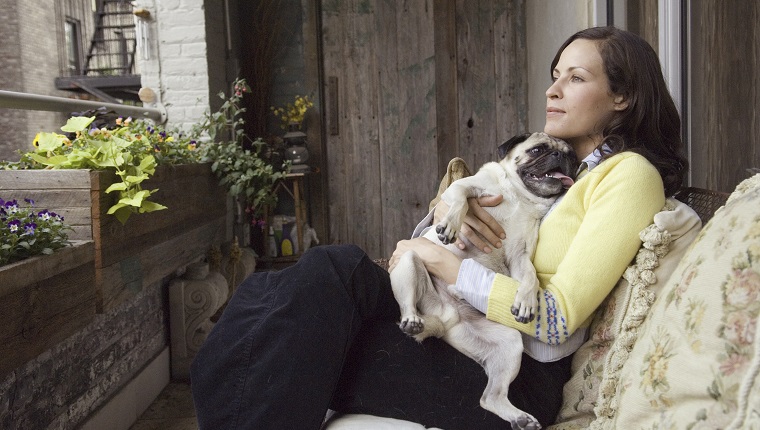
(505, 147)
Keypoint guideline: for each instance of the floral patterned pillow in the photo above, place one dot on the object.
(696, 362)
(614, 327)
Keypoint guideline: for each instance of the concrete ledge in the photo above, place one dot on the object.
(124, 408)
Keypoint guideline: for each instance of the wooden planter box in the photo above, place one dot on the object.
(44, 300)
(149, 246)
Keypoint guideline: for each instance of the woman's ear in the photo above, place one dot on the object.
(621, 103)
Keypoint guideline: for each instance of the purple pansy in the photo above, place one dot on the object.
(29, 228)
(11, 206)
(13, 226)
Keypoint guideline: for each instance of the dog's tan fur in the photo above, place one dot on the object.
(429, 307)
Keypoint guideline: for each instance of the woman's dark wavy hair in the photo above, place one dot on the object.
(650, 125)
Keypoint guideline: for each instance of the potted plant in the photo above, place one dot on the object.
(130, 149)
(99, 172)
(47, 284)
(291, 117)
(26, 233)
(243, 165)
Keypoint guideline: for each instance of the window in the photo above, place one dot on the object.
(73, 47)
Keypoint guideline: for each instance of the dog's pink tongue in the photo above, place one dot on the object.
(567, 181)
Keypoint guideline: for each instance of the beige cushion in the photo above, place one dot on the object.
(597, 362)
(695, 364)
(456, 169)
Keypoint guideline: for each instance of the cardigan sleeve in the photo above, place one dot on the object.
(584, 247)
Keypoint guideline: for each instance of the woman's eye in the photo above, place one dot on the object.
(576, 79)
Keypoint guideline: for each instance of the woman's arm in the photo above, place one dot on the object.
(439, 261)
(480, 228)
(584, 246)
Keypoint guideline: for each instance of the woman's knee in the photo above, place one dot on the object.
(367, 284)
(333, 255)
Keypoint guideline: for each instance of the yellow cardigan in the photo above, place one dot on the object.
(584, 246)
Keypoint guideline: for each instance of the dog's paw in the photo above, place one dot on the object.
(445, 234)
(525, 306)
(525, 422)
(524, 309)
(523, 316)
(412, 325)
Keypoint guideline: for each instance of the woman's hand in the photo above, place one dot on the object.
(478, 224)
(439, 261)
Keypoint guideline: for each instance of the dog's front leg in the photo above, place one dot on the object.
(456, 196)
(526, 300)
(409, 279)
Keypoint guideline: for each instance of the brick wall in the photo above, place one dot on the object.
(29, 52)
(39, 33)
(30, 33)
(10, 78)
(177, 68)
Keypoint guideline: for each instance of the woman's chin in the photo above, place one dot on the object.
(556, 130)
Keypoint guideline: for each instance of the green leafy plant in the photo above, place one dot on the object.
(25, 232)
(240, 163)
(133, 150)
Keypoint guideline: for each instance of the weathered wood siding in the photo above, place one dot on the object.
(725, 95)
(44, 300)
(414, 84)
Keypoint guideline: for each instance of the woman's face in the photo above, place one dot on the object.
(579, 104)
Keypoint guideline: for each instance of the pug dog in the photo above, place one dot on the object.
(533, 171)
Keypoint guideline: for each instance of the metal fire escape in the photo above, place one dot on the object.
(109, 66)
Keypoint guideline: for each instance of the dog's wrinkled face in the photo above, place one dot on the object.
(545, 164)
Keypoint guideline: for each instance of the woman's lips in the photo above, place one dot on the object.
(553, 112)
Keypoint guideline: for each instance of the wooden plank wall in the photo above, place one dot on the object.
(44, 300)
(642, 20)
(417, 84)
(725, 95)
(64, 192)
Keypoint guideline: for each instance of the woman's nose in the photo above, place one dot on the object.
(553, 91)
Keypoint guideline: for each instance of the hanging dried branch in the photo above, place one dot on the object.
(264, 37)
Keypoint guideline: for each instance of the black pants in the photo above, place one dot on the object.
(322, 334)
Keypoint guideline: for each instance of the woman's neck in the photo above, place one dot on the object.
(583, 147)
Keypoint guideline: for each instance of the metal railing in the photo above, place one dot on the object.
(15, 100)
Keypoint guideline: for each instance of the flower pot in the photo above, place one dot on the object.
(150, 246)
(44, 300)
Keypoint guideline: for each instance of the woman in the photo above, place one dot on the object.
(322, 333)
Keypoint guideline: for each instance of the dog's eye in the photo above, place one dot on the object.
(536, 150)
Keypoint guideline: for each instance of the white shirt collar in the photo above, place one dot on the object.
(593, 159)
